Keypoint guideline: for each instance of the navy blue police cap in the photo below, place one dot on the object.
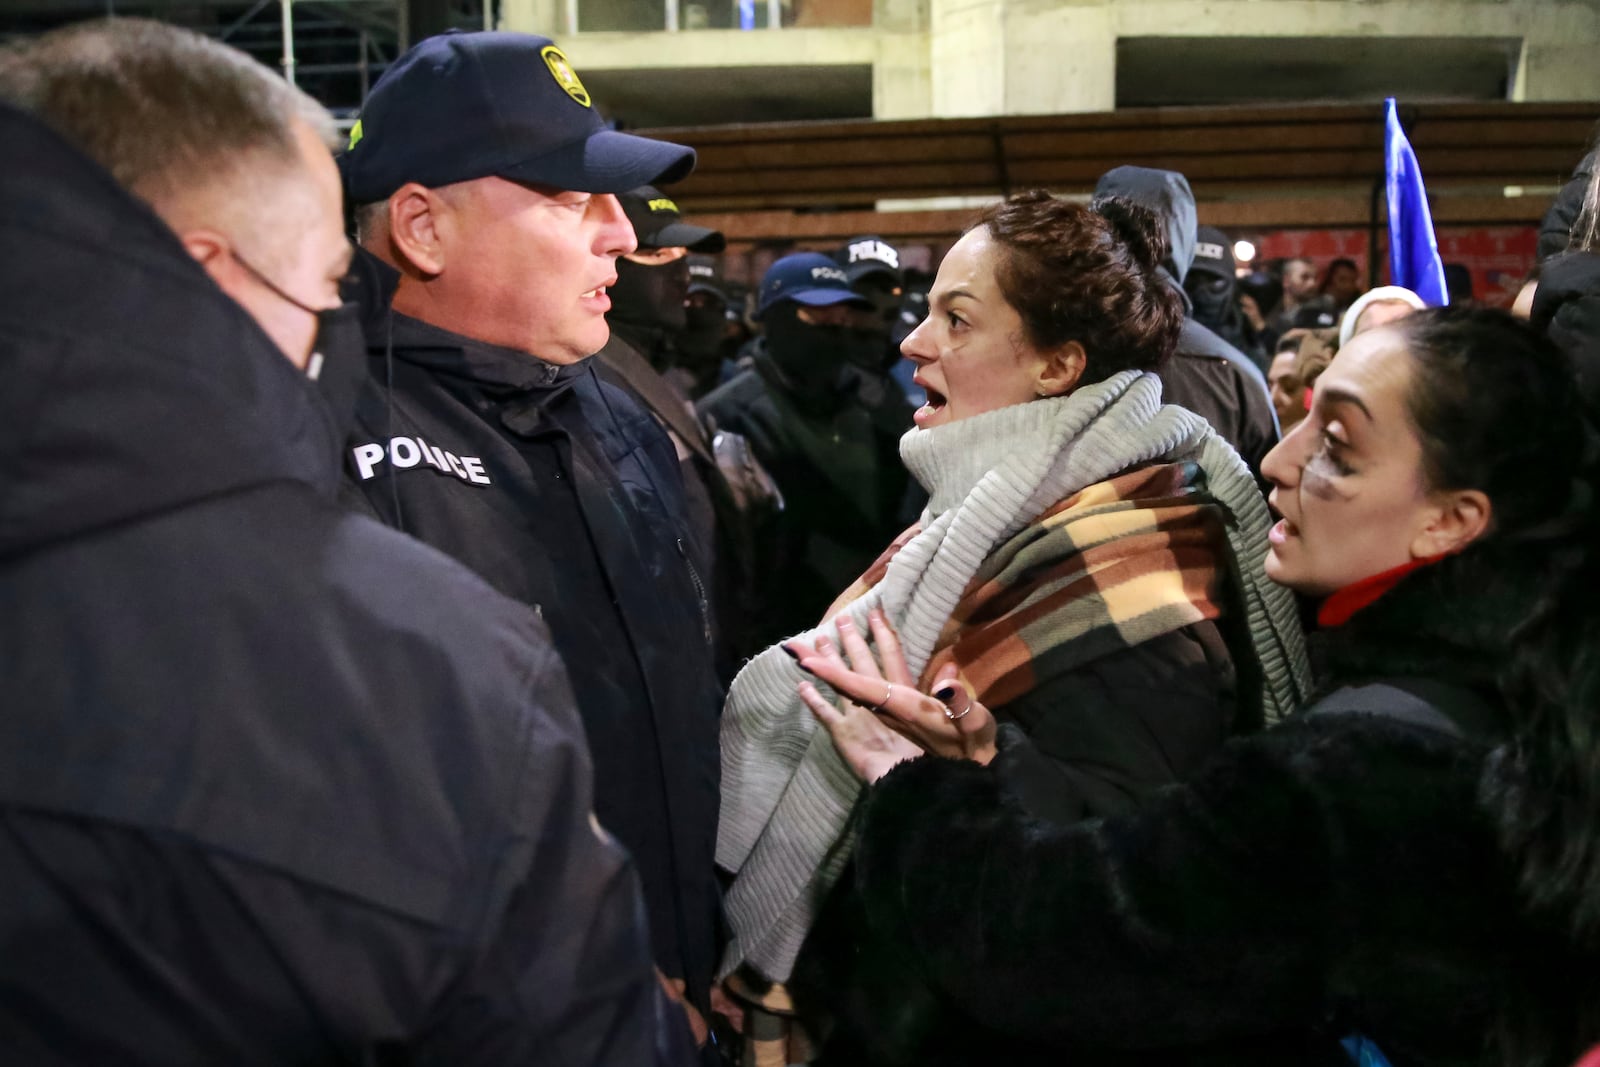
(809, 278)
(868, 255)
(461, 106)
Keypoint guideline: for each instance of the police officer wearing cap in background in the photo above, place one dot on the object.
(873, 267)
(650, 301)
(826, 430)
(1212, 285)
(648, 316)
(715, 332)
(484, 181)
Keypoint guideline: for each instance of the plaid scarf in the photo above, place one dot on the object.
(1112, 566)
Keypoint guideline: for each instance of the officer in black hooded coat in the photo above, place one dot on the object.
(277, 785)
(1206, 374)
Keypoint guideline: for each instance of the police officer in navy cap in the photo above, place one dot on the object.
(826, 430)
(485, 185)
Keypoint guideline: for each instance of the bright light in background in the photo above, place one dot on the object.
(1244, 251)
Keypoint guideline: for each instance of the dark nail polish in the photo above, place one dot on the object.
(945, 692)
(791, 653)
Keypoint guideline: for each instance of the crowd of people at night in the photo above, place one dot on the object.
(449, 619)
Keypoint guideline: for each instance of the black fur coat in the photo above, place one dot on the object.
(1337, 874)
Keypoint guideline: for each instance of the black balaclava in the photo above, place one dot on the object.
(884, 294)
(700, 344)
(1214, 302)
(815, 359)
(651, 298)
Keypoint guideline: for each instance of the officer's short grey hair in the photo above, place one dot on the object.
(165, 110)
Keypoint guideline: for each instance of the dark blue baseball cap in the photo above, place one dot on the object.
(461, 106)
(809, 278)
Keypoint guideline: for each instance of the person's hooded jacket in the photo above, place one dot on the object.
(277, 785)
(1206, 374)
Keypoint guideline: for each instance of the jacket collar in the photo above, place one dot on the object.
(1450, 620)
(490, 366)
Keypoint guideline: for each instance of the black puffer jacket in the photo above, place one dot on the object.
(1334, 875)
(565, 495)
(277, 785)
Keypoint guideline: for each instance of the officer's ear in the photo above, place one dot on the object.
(414, 231)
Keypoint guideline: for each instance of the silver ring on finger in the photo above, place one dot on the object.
(887, 693)
(952, 714)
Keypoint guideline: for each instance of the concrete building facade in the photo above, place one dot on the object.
(968, 58)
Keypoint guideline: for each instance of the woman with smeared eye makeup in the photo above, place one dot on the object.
(1405, 872)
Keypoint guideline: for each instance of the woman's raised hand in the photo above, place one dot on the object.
(884, 719)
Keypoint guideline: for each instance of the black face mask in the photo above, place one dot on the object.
(1213, 299)
(700, 344)
(816, 358)
(652, 297)
(338, 364)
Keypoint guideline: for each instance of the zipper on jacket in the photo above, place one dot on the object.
(699, 592)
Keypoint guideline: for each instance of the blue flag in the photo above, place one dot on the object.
(1413, 249)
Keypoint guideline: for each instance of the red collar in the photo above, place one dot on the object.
(1337, 609)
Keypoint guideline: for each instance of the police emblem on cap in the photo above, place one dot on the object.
(561, 69)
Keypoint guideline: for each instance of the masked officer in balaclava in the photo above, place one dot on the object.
(1213, 289)
(827, 433)
(873, 267)
(647, 319)
(716, 329)
(649, 300)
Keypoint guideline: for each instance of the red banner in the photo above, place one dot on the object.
(1497, 257)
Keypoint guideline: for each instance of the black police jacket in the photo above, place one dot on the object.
(277, 785)
(564, 494)
(835, 456)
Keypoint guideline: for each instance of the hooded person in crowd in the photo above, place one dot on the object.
(1207, 375)
(277, 784)
(1212, 288)
(485, 185)
(826, 430)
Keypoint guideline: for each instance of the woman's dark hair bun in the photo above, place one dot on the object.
(1077, 274)
(1138, 227)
